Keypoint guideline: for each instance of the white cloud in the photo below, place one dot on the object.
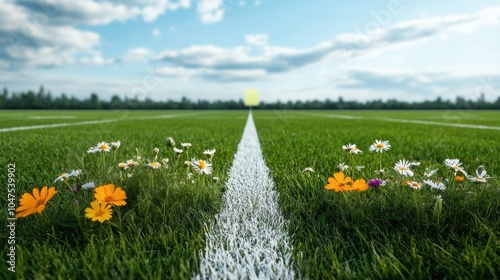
(138, 54)
(256, 39)
(96, 60)
(156, 32)
(210, 11)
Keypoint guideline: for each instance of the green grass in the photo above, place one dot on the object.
(158, 234)
(395, 232)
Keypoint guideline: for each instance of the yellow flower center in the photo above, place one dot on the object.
(415, 184)
(202, 164)
(103, 147)
(402, 168)
(380, 146)
(108, 198)
(99, 213)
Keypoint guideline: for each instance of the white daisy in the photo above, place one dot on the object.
(115, 145)
(75, 173)
(62, 177)
(165, 161)
(342, 166)
(403, 168)
(481, 177)
(209, 153)
(414, 185)
(154, 165)
(308, 169)
(131, 163)
(170, 142)
(177, 151)
(87, 186)
(380, 146)
(123, 165)
(187, 163)
(437, 185)
(454, 164)
(102, 147)
(360, 167)
(156, 151)
(201, 166)
(186, 146)
(415, 163)
(428, 172)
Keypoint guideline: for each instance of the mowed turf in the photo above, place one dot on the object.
(395, 232)
(158, 234)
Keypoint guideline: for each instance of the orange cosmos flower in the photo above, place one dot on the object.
(98, 211)
(359, 185)
(108, 194)
(338, 182)
(459, 178)
(30, 204)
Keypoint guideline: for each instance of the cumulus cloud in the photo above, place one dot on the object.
(210, 11)
(275, 59)
(256, 39)
(138, 54)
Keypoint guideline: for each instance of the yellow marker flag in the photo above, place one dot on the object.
(252, 97)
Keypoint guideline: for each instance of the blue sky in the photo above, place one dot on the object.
(289, 50)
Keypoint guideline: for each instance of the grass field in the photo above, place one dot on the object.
(391, 232)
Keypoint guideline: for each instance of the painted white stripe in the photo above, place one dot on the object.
(248, 239)
(30, 127)
(463, 125)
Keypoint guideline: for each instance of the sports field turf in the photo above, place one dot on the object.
(391, 232)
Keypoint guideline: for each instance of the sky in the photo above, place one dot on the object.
(289, 50)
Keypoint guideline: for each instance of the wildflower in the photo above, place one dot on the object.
(428, 172)
(403, 168)
(455, 165)
(88, 186)
(186, 146)
(115, 145)
(380, 171)
(351, 148)
(435, 185)
(376, 183)
(165, 162)
(154, 165)
(75, 173)
(170, 142)
(359, 185)
(209, 153)
(156, 151)
(360, 167)
(131, 163)
(187, 163)
(438, 197)
(481, 177)
(380, 146)
(98, 211)
(308, 169)
(123, 165)
(129, 175)
(74, 189)
(177, 151)
(108, 194)
(189, 175)
(34, 203)
(215, 179)
(459, 178)
(414, 185)
(62, 177)
(201, 166)
(338, 182)
(415, 163)
(101, 147)
(342, 166)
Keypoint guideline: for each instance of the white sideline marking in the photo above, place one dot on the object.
(248, 239)
(412, 121)
(8, 129)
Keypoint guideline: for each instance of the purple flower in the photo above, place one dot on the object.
(376, 183)
(74, 189)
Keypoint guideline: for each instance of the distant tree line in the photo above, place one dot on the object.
(45, 100)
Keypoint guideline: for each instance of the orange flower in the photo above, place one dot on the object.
(338, 182)
(30, 204)
(98, 211)
(459, 178)
(360, 185)
(108, 194)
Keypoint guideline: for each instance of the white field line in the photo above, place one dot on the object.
(30, 127)
(412, 121)
(248, 238)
